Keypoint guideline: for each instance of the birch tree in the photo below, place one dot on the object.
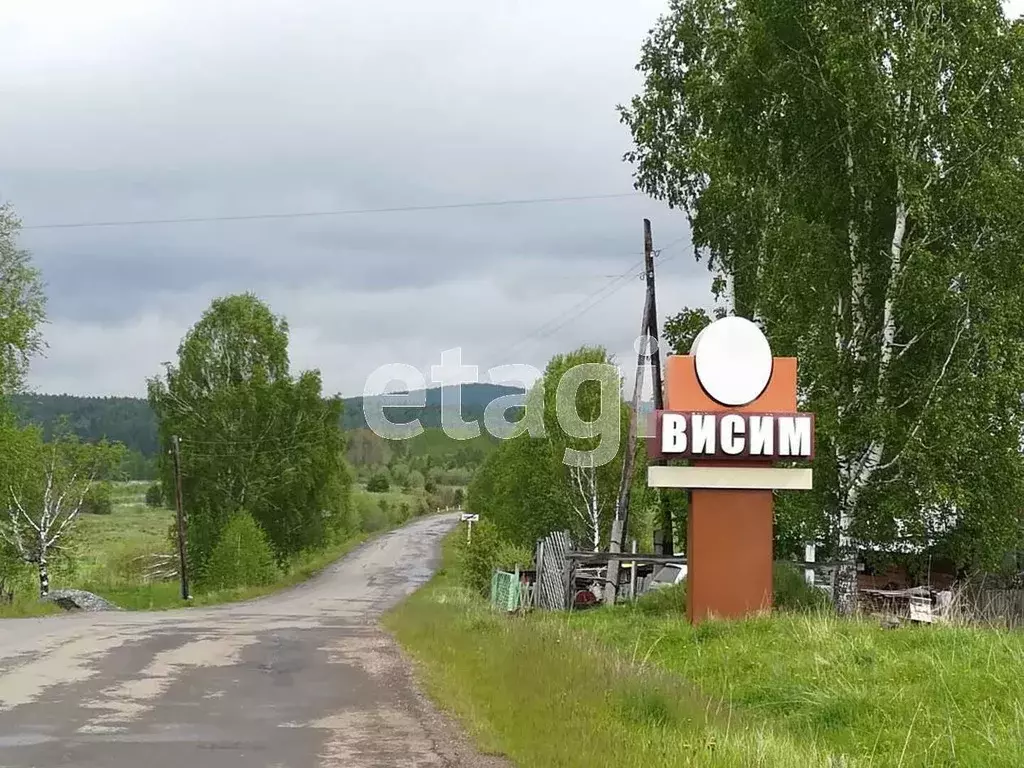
(853, 176)
(44, 499)
(22, 305)
(519, 489)
(253, 437)
(586, 500)
(588, 492)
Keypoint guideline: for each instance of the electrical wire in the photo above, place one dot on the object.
(318, 214)
(617, 283)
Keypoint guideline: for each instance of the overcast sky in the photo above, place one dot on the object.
(162, 109)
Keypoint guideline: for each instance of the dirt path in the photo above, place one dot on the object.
(302, 678)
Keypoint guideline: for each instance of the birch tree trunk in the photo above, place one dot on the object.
(44, 572)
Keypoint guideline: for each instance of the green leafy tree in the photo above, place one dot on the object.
(136, 466)
(852, 174)
(415, 480)
(155, 495)
(48, 487)
(98, 500)
(526, 489)
(242, 556)
(379, 483)
(399, 473)
(681, 329)
(588, 493)
(518, 491)
(22, 305)
(252, 436)
(365, 448)
(478, 558)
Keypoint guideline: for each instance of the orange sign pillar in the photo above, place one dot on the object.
(729, 531)
(730, 410)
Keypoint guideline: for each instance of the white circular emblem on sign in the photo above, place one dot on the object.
(733, 360)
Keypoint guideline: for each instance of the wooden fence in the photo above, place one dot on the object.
(989, 607)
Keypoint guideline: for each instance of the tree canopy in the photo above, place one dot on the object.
(252, 436)
(530, 485)
(853, 176)
(22, 306)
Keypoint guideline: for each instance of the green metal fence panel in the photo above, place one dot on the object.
(505, 591)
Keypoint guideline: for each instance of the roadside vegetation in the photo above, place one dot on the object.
(637, 685)
(273, 486)
(852, 177)
(129, 557)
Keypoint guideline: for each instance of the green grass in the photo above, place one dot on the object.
(394, 497)
(630, 686)
(165, 595)
(103, 557)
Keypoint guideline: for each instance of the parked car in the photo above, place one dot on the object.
(670, 574)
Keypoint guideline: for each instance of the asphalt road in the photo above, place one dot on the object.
(302, 678)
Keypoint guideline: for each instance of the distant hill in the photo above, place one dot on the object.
(475, 398)
(130, 420)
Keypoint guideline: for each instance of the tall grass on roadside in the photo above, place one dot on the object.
(128, 556)
(914, 696)
(638, 685)
(532, 691)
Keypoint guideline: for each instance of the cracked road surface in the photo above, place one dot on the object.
(301, 678)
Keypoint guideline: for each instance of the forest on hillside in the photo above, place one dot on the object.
(131, 422)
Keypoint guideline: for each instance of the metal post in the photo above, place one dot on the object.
(809, 559)
(632, 576)
(182, 565)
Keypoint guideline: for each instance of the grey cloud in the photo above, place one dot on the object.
(186, 109)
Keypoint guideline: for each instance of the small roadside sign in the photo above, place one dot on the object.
(469, 518)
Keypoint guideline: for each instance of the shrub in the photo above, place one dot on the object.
(477, 559)
(663, 601)
(137, 564)
(508, 556)
(371, 517)
(97, 500)
(379, 483)
(793, 593)
(242, 556)
(155, 495)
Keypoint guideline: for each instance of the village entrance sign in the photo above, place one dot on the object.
(731, 411)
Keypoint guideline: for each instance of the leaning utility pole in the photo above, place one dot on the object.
(619, 525)
(176, 454)
(668, 546)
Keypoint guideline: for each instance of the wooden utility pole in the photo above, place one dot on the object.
(621, 522)
(182, 568)
(667, 540)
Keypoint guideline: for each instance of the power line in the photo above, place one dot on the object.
(617, 283)
(543, 327)
(343, 212)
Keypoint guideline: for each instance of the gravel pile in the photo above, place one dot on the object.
(79, 600)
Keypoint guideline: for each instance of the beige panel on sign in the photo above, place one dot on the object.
(738, 478)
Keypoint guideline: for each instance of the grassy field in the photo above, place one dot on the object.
(632, 687)
(105, 550)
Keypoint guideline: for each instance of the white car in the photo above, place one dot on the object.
(668, 575)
